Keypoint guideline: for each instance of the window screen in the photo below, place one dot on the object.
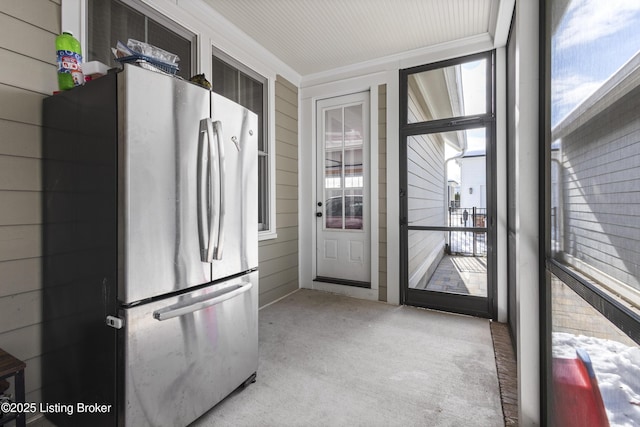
(592, 212)
(110, 21)
(236, 82)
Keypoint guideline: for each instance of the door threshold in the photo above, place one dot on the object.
(356, 283)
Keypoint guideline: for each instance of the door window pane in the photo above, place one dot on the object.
(426, 180)
(447, 92)
(333, 129)
(446, 187)
(446, 179)
(333, 217)
(343, 167)
(353, 126)
(353, 168)
(432, 267)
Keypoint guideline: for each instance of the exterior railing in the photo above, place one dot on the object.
(467, 242)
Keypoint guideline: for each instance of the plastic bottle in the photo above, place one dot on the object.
(69, 61)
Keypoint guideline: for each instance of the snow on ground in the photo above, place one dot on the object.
(617, 368)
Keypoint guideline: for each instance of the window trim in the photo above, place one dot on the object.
(268, 232)
(622, 317)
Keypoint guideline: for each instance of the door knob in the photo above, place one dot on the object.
(318, 214)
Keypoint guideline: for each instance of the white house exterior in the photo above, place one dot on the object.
(473, 185)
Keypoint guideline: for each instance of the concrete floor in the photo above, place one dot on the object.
(466, 275)
(328, 360)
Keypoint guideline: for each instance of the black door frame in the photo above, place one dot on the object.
(463, 304)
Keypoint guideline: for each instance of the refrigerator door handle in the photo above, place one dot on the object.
(202, 189)
(222, 196)
(208, 192)
(205, 301)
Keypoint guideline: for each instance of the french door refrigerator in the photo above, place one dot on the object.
(150, 296)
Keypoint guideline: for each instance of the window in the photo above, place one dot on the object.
(249, 89)
(110, 21)
(593, 280)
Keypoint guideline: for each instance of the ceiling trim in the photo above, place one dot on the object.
(229, 38)
(502, 23)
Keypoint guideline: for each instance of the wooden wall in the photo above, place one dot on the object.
(278, 258)
(27, 54)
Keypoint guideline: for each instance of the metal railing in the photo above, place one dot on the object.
(467, 242)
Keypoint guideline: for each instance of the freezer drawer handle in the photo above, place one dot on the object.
(199, 304)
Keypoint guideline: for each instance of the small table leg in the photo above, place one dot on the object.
(21, 420)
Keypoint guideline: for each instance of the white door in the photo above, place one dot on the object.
(343, 226)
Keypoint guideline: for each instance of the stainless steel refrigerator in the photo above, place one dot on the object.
(150, 297)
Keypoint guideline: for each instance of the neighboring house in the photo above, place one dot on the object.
(473, 186)
(595, 185)
(453, 193)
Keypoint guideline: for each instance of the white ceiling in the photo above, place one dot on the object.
(312, 36)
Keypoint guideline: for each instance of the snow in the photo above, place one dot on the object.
(617, 368)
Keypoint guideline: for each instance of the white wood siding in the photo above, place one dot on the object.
(27, 54)
(278, 258)
(425, 197)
